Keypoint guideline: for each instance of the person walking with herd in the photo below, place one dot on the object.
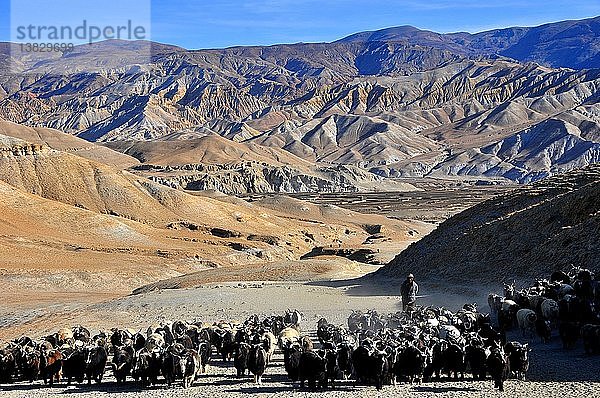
(409, 291)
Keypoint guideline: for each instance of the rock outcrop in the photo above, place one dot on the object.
(253, 178)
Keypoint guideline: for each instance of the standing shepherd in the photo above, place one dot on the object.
(409, 291)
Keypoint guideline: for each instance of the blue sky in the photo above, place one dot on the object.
(223, 23)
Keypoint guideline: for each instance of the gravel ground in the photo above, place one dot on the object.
(554, 372)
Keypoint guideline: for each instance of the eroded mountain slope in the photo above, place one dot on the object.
(396, 102)
(532, 231)
(70, 223)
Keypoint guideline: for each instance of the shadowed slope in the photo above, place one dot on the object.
(529, 232)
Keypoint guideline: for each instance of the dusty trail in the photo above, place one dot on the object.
(216, 301)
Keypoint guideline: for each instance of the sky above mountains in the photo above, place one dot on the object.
(224, 23)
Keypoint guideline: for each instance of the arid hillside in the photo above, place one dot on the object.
(179, 150)
(213, 162)
(535, 230)
(67, 143)
(72, 224)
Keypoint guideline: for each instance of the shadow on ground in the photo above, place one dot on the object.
(362, 287)
(452, 296)
(439, 390)
(105, 387)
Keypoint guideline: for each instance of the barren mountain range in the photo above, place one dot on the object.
(515, 104)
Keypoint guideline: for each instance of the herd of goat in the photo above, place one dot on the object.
(569, 302)
(420, 345)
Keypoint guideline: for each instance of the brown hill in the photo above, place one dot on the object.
(86, 184)
(70, 223)
(524, 234)
(209, 149)
(48, 246)
(67, 143)
(357, 140)
(216, 163)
